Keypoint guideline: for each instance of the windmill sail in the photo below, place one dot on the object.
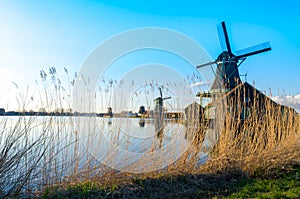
(227, 75)
(160, 92)
(263, 47)
(223, 37)
(206, 64)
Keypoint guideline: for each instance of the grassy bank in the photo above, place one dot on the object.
(238, 168)
(259, 158)
(271, 174)
(254, 158)
(232, 184)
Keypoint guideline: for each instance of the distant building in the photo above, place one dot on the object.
(2, 111)
(194, 114)
(142, 110)
(109, 112)
(174, 115)
(241, 100)
(127, 114)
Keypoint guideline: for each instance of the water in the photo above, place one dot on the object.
(64, 146)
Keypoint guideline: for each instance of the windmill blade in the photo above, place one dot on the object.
(166, 98)
(160, 92)
(223, 37)
(253, 50)
(206, 64)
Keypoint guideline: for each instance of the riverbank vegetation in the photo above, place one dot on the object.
(240, 166)
(254, 158)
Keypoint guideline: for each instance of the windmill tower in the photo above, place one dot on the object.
(230, 95)
(224, 90)
(227, 74)
(159, 103)
(159, 112)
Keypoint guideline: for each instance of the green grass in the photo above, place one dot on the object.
(284, 187)
(230, 184)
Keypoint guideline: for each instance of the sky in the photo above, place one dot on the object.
(36, 35)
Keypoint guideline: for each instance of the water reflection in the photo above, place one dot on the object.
(142, 122)
(100, 140)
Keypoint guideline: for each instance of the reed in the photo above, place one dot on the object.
(40, 153)
(268, 139)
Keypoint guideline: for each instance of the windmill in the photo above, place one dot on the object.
(159, 102)
(232, 98)
(158, 112)
(227, 86)
(227, 75)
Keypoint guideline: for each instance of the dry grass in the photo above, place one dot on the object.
(37, 163)
(266, 145)
(268, 139)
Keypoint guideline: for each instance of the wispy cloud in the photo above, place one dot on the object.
(289, 100)
(200, 83)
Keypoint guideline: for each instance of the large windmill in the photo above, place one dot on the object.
(227, 75)
(233, 100)
(228, 92)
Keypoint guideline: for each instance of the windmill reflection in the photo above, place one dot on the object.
(142, 122)
(159, 116)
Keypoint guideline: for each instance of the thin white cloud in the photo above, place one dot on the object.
(297, 96)
(200, 83)
(289, 100)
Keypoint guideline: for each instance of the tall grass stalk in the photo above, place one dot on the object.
(38, 152)
(269, 138)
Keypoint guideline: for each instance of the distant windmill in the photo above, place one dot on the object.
(158, 112)
(159, 103)
(159, 116)
(227, 74)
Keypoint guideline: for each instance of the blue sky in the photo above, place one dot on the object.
(37, 35)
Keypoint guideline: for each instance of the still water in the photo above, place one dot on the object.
(72, 145)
